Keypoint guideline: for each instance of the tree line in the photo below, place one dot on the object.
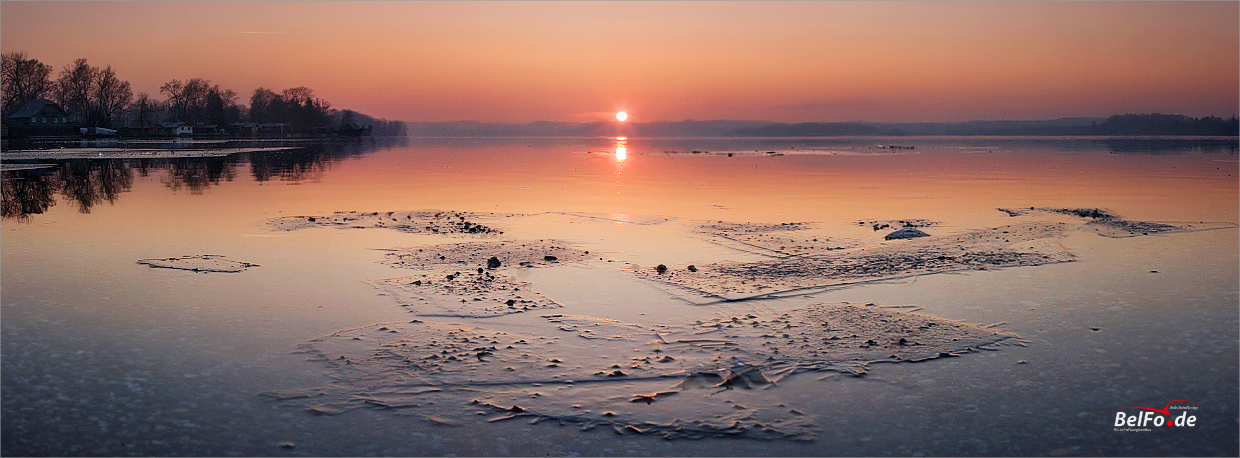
(94, 96)
(1126, 124)
(1119, 124)
(1166, 124)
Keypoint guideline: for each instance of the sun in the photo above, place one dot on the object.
(622, 116)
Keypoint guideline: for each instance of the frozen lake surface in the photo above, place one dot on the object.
(603, 297)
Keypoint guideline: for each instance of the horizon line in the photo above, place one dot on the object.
(1062, 118)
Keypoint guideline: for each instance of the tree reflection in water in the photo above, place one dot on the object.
(309, 162)
(86, 183)
(198, 173)
(28, 192)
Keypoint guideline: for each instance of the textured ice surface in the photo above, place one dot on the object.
(879, 225)
(775, 240)
(1025, 244)
(471, 255)
(712, 378)
(467, 293)
(1108, 224)
(470, 279)
(199, 263)
(718, 375)
(422, 222)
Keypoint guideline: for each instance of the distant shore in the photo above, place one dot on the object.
(1155, 124)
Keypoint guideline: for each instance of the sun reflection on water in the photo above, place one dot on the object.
(622, 149)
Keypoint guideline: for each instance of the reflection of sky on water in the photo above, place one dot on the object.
(848, 175)
(177, 348)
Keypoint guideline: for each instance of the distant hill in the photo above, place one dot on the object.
(491, 129)
(1127, 124)
(689, 128)
(829, 129)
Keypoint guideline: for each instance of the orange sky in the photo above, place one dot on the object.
(668, 61)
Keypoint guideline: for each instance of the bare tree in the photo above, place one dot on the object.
(144, 109)
(299, 95)
(73, 87)
(110, 96)
(176, 99)
(195, 93)
(193, 100)
(22, 80)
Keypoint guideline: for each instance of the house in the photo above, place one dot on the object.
(176, 128)
(39, 117)
(39, 113)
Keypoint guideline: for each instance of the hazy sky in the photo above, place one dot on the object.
(668, 61)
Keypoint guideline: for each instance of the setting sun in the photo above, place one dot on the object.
(621, 116)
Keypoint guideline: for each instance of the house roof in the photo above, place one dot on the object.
(174, 124)
(32, 108)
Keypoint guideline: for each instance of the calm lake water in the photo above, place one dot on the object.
(104, 356)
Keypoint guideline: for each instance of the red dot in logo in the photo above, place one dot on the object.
(1169, 424)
